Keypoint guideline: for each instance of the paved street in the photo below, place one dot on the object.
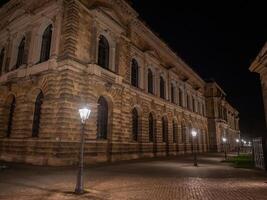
(163, 179)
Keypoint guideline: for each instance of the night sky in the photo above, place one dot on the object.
(219, 40)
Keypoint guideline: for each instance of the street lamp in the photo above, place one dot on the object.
(238, 142)
(224, 144)
(194, 134)
(84, 115)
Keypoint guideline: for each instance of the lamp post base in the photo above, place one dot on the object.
(79, 191)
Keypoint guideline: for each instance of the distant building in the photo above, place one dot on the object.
(223, 120)
(57, 56)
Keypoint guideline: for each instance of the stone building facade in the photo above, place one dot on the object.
(259, 66)
(223, 120)
(57, 56)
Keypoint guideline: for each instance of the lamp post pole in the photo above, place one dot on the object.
(238, 147)
(194, 134)
(84, 114)
(79, 185)
(224, 144)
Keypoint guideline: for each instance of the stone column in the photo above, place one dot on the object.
(2, 118)
(264, 92)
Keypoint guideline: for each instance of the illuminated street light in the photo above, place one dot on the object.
(84, 115)
(194, 135)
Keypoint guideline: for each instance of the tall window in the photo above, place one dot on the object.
(21, 53)
(37, 115)
(175, 131)
(181, 102)
(103, 52)
(199, 108)
(102, 118)
(12, 107)
(162, 88)
(151, 128)
(203, 109)
(183, 134)
(164, 129)
(135, 125)
(135, 73)
(172, 93)
(204, 142)
(46, 44)
(2, 56)
(150, 81)
(194, 104)
(188, 101)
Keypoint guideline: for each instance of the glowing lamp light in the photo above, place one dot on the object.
(237, 140)
(224, 139)
(194, 133)
(84, 114)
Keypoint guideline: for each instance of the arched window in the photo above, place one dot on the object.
(46, 44)
(135, 73)
(175, 131)
(21, 53)
(151, 128)
(102, 118)
(183, 134)
(199, 108)
(150, 81)
(164, 129)
(135, 124)
(194, 104)
(204, 141)
(103, 52)
(2, 56)
(11, 110)
(37, 115)
(181, 102)
(162, 88)
(188, 101)
(172, 93)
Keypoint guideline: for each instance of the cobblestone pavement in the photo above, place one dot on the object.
(157, 179)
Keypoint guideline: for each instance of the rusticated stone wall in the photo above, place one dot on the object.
(71, 79)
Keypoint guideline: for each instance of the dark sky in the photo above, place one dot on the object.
(218, 39)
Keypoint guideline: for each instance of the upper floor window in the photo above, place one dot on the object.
(181, 102)
(37, 115)
(199, 108)
(135, 73)
(162, 88)
(21, 53)
(2, 56)
(194, 104)
(46, 44)
(103, 52)
(188, 101)
(172, 93)
(150, 81)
